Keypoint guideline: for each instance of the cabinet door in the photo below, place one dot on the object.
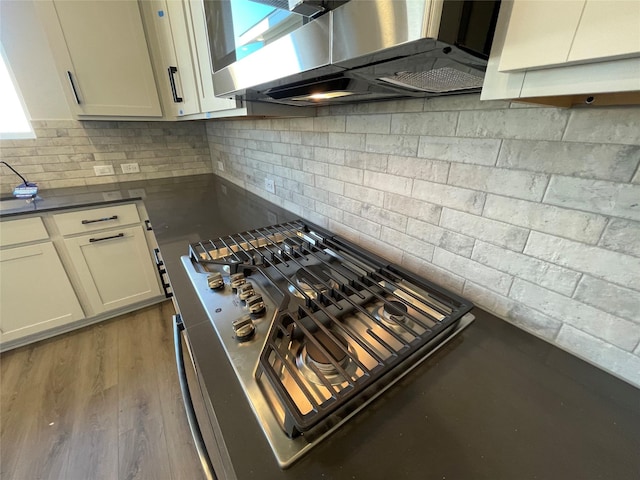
(608, 29)
(106, 65)
(114, 267)
(35, 292)
(202, 61)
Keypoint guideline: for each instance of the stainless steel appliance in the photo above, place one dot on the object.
(345, 51)
(314, 326)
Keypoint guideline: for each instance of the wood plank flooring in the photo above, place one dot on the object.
(102, 402)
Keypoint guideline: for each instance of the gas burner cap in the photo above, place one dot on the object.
(308, 279)
(313, 363)
(392, 313)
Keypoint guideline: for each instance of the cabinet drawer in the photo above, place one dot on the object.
(96, 219)
(24, 230)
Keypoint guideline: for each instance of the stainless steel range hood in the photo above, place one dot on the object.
(368, 50)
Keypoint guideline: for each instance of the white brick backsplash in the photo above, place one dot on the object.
(299, 124)
(498, 233)
(454, 242)
(622, 236)
(316, 193)
(516, 313)
(413, 167)
(427, 123)
(605, 125)
(393, 144)
(409, 244)
(615, 330)
(384, 217)
(315, 139)
(362, 225)
(330, 185)
(542, 124)
(439, 276)
(369, 124)
(347, 174)
(611, 266)
(365, 194)
(601, 353)
(449, 196)
(368, 161)
(608, 198)
(388, 183)
(481, 151)
(586, 227)
(329, 155)
(545, 274)
(412, 208)
(329, 124)
(383, 249)
(494, 280)
(590, 160)
(513, 183)
(462, 102)
(345, 203)
(329, 211)
(618, 301)
(348, 141)
(390, 106)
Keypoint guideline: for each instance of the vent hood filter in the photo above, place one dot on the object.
(439, 80)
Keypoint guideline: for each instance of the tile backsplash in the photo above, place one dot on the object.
(533, 213)
(65, 152)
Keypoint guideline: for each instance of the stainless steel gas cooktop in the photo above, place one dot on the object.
(316, 327)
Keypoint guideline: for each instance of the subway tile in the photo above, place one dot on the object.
(604, 125)
(611, 266)
(364, 194)
(329, 124)
(412, 245)
(513, 183)
(488, 277)
(348, 141)
(384, 217)
(412, 208)
(369, 123)
(329, 155)
(329, 211)
(440, 237)
(607, 198)
(497, 233)
(588, 160)
(433, 170)
(545, 274)
(362, 225)
(512, 311)
(390, 106)
(546, 124)
(433, 273)
(381, 248)
(462, 102)
(388, 183)
(424, 123)
(618, 361)
(615, 330)
(480, 151)
(573, 224)
(622, 236)
(392, 144)
(347, 174)
(368, 161)
(303, 124)
(330, 185)
(611, 298)
(315, 139)
(347, 204)
(448, 196)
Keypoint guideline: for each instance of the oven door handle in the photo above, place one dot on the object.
(207, 467)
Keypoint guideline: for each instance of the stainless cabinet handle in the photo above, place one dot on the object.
(104, 219)
(172, 82)
(93, 240)
(73, 87)
(178, 327)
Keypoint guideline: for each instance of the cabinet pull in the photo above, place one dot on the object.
(161, 273)
(148, 225)
(104, 219)
(93, 240)
(73, 87)
(172, 82)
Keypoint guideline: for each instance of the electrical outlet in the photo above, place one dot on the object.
(130, 168)
(270, 185)
(102, 170)
(272, 218)
(221, 166)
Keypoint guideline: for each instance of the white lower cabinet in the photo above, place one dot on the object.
(35, 292)
(114, 267)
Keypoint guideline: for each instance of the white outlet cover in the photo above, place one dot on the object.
(102, 170)
(130, 168)
(220, 166)
(269, 185)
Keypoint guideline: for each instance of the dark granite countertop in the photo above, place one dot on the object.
(495, 403)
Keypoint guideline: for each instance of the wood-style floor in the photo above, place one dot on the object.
(102, 402)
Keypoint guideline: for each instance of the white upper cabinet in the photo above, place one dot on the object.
(564, 53)
(543, 34)
(102, 56)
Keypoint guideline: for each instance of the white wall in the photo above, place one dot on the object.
(31, 60)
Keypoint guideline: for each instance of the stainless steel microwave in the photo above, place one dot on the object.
(303, 52)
